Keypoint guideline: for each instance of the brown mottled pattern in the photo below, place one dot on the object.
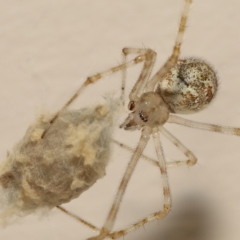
(189, 86)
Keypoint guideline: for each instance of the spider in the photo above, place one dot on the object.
(180, 86)
(154, 90)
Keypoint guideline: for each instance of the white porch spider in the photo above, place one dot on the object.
(142, 85)
(180, 86)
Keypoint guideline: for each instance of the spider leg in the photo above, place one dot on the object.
(166, 192)
(191, 159)
(108, 225)
(203, 126)
(78, 218)
(172, 60)
(143, 78)
(92, 79)
(122, 145)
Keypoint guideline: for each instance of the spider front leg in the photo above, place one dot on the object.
(92, 79)
(150, 57)
(108, 225)
(166, 191)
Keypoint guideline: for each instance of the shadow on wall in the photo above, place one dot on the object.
(191, 219)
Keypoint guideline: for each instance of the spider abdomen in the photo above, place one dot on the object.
(189, 86)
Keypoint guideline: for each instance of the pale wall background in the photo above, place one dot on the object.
(48, 47)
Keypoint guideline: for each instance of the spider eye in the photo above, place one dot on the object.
(131, 105)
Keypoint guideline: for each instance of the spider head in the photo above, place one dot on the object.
(149, 110)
